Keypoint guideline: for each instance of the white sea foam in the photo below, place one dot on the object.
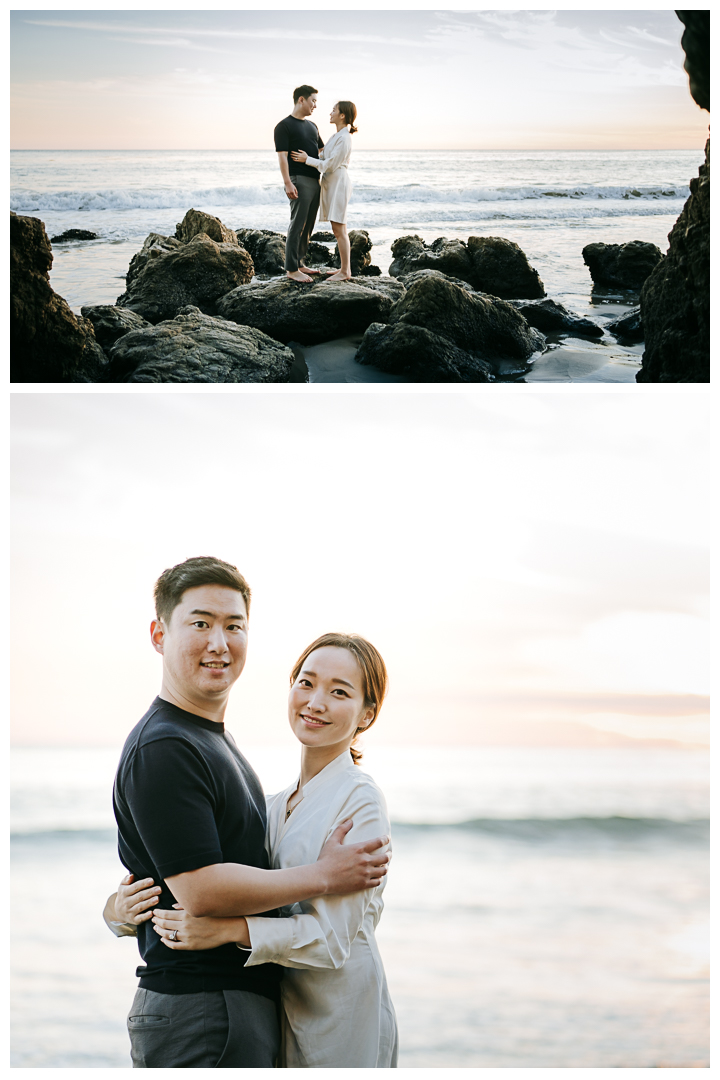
(30, 201)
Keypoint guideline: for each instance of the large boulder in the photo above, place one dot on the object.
(48, 343)
(675, 299)
(549, 316)
(110, 322)
(194, 347)
(483, 325)
(267, 249)
(449, 257)
(419, 355)
(696, 45)
(621, 266)
(489, 264)
(196, 222)
(311, 313)
(153, 247)
(500, 267)
(195, 273)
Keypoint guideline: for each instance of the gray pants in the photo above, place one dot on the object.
(303, 212)
(217, 1029)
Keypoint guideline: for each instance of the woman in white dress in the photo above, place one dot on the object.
(337, 1011)
(335, 183)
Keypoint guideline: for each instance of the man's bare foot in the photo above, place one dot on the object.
(307, 270)
(339, 276)
(297, 275)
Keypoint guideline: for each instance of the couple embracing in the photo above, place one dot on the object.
(255, 919)
(315, 176)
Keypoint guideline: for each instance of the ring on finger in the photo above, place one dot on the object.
(173, 935)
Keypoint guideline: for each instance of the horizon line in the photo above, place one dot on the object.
(410, 149)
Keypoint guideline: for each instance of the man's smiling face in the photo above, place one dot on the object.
(204, 645)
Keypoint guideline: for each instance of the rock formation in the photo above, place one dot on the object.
(48, 343)
(621, 266)
(696, 45)
(267, 249)
(485, 326)
(628, 328)
(73, 234)
(195, 222)
(311, 313)
(490, 264)
(500, 267)
(110, 322)
(419, 355)
(168, 275)
(548, 316)
(360, 258)
(194, 347)
(675, 300)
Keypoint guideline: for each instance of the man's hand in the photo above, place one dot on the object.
(290, 190)
(352, 868)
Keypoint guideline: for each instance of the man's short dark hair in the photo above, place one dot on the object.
(204, 570)
(303, 91)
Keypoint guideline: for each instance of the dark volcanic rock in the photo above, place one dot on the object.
(319, 255)
(328, 237)
(483, 325)
(623, 266)
(153, 247)
(628, 329)
(196, 221)
(419, 355)
(500, 267)
(360, 258)
(489, 264)
(411, 253)
(675, 299)
(110, 322)
(73, 234)
(421, 275)
(267, 249)
(196, 273)
(548, 315)
(696, 44)
(311, 313)
(48, 343)
(194, 347)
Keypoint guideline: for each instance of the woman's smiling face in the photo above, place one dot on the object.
(327, 699)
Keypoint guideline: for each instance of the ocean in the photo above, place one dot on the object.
(551, 203)
(547, 907)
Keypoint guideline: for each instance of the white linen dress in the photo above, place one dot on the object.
(335, 182)
(337, 1012)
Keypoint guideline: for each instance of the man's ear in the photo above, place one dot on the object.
(157, 634)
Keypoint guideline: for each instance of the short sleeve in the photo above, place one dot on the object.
(282, 138)
(172, 799)
(319, 137)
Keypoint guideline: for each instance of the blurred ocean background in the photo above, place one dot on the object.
(552, 203)
(547, 907)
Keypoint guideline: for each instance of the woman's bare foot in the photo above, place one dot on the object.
(339, 276)
(297, 275)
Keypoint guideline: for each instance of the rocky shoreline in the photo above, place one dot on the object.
(212, 304)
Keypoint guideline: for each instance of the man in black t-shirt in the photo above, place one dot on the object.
(302, 182)
(191, 816)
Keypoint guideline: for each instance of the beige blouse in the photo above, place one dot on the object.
(337, 1009)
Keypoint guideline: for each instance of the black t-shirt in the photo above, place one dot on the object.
(293, 134)
(184, 798)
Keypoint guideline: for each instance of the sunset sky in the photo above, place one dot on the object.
(433, 79)
(518, 558)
